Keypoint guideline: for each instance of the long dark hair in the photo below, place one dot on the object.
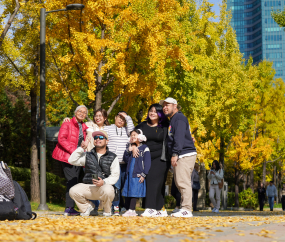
(217, 165)
(104, 114)
(163, 121)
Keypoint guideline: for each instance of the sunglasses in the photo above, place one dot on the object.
(100, 137)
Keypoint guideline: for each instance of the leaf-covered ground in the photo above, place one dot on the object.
(227, 226)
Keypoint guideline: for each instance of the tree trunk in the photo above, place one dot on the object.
(98, 100)
(35, 184)
(264, 172)
(279, 184)
(245, 180)
(251, 180)
(236, 188)
(274, 175)
(9, 23)
(222, 152)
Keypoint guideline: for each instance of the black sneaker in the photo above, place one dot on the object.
(94, 212)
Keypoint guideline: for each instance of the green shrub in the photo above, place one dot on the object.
(248, 199)
(55, 187)
(169, 202)
(231, 199)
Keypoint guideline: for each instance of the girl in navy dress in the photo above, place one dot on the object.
(137, 170)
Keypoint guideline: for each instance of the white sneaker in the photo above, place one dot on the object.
(88, 210)
(149, 212)
(107, 214)
(161, 213)
(182, 214)
(216, 211)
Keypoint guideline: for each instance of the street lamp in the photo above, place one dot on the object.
(43, 205)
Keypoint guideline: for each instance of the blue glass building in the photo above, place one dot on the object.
(257, 33)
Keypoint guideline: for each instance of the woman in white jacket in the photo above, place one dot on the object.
(216, 175)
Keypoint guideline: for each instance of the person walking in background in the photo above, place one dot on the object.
(283, 197)
(271, 192)
(118, 139)
(216, 175)
(195, 179)
(155, 130)
(71, 135)
(183, 154)
(137, 171)
(100, 119)
(261, 196)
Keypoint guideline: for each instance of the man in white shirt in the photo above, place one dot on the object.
(98, 162)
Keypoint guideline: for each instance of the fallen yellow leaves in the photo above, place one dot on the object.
(101, 229)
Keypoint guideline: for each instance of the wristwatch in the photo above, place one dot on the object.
(174, 154)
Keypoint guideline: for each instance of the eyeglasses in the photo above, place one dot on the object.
(101, 137)
(82, 112)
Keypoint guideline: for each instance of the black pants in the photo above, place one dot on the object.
(175, 193)
(283, 202)
(195, 198)
(71, 174)
(130, 203)
(261, 203)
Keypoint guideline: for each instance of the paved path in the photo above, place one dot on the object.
(204, 226)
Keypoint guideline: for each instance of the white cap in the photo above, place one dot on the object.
(168, 100)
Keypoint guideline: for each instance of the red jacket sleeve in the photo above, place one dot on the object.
(63, 138)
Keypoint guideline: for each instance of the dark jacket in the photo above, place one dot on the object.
(261, 192)
(93, 167)
(179, 137)
(164, 154)
(143, 162)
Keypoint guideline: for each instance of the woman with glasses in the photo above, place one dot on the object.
(100, 119)
(70, 137)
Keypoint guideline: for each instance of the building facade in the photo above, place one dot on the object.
(257, 33)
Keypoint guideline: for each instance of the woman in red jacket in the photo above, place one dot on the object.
(71, 135)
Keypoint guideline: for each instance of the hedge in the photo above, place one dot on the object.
(55, 184)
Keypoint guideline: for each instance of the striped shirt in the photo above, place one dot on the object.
(119, 138)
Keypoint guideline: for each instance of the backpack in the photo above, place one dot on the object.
(21, 201)
(14, 203)
(8, 210)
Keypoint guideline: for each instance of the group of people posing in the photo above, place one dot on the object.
(123, 160)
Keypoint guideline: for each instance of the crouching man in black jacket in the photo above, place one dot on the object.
(98, 162)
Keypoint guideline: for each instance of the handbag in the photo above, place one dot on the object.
(196, 185)
(6, 182)
(221, 184)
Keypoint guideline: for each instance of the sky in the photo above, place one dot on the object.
(216, 7)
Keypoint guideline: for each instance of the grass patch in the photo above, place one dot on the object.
(279, 205)
(52, 207)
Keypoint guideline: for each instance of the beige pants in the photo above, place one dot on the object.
(182, 177)
(215, 189)
(82, 193)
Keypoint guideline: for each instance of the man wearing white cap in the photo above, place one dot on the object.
(102, 171)
(183, 154)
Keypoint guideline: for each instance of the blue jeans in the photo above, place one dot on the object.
(271, 202)
(121, 182)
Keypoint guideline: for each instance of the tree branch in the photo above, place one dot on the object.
(274, 160)
(14, 65)
(60, 76)
(114, 103)
(8, 25)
